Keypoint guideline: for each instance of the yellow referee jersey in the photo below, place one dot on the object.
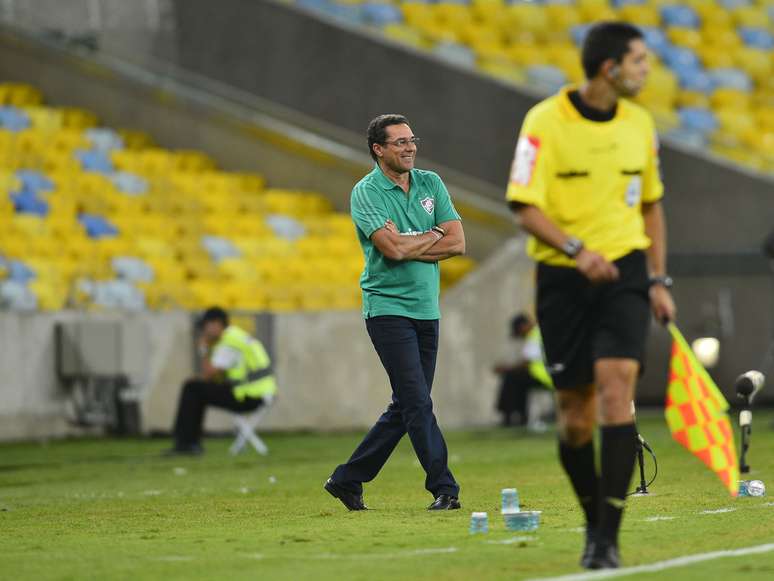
(589, 177)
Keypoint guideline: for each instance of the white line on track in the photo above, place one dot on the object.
(661, 565)
(658, 518)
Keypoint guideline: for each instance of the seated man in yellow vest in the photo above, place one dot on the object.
(236, 375)
(528, 373)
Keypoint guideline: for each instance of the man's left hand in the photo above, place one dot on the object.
(662, 304)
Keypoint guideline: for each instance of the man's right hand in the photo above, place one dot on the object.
(596, 267)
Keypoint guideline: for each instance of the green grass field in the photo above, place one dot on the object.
(114, 509)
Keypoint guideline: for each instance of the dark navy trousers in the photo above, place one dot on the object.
(407, 348)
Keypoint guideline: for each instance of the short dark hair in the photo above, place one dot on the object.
(376, 129)
(518, 321)
(214, 314)
(607, 40)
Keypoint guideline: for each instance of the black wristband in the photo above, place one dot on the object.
(438, 229)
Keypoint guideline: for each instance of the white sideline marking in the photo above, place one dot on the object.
(660, 565)
(414, 553)
(718, 511)
(513, 540)
(152, 492)
(658, 518)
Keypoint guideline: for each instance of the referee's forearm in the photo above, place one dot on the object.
(653, 215)
(534, 221)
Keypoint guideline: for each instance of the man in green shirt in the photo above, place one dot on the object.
(406, 223)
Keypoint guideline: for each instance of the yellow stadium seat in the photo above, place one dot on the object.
(405, 34)
(20, 95)
(724, 38)
(715, 56)
(417, 12)
(596, 11)
(686, 37)
(452, 14)
(726, 98)
(527, 21)
(640, 14)
(713, 16)
(692, 99)
(734, 121)
(751, 16)
(758, 63)
(563, 16)
(75, 118)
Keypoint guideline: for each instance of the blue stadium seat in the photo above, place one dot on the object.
(620, 3)
(34, 181)
(94, 160)
(19, 272)
(731, 4)
(679, 57)
(732, 79)
(698, 119)
(27, 202)
(546, 77)
(129, 183)
(756, 37)
(104, 139)
(455, 53)
(97, 226)
(579, 32)
(679, 15)
(381, 14)
(694, 79)
(656, 40)
(13, 119)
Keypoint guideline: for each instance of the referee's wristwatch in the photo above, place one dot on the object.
(664, 280)
(572, 247)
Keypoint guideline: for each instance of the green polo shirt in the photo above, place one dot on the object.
(407, 288)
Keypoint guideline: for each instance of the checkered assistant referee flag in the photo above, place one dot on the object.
(696, 414)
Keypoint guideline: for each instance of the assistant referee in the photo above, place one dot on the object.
(585, 184)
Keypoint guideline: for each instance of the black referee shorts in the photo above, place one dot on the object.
(581, 322)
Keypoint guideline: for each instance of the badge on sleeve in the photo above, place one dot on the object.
(527, 149)
(634, 191)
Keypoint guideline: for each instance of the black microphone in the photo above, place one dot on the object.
(749, 384)
(645, 444)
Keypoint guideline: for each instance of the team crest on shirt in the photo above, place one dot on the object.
(428, 204)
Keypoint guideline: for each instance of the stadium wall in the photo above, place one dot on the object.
(330, 377)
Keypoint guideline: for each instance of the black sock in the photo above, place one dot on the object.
(619, 448)
(580, 467)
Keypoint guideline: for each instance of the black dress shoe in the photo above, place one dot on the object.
(588, 550)
(349, 499)
(445, 502)
(605, 556)
(192, 450)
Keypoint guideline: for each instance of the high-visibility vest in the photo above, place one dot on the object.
(537, 368)
(252, 376)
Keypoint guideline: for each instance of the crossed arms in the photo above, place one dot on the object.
(429, 246)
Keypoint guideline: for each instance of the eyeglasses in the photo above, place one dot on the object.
(403, 142)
